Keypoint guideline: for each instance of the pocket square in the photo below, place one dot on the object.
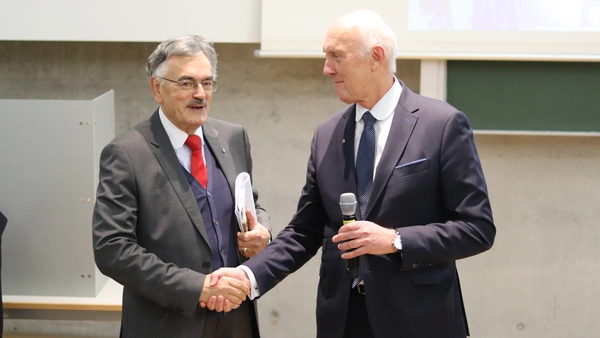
(411, 163)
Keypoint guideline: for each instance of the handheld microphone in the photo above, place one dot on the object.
(348, 206)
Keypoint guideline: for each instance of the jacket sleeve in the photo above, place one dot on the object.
(468, 228)
(118, 231)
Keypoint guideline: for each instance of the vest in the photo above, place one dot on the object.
(216, 205)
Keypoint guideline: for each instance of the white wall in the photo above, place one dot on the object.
(131, 20)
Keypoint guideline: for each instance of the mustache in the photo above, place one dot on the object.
(196, 102)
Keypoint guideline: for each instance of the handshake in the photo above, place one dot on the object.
(224, 290)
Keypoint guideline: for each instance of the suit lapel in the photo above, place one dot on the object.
(221, 153)
(344, 135)
(403, 124)
(163, 150)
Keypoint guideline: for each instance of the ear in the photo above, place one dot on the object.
(377, 57)
(156, 90)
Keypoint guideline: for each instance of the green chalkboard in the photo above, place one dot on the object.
(527, 95)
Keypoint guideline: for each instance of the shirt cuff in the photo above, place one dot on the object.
(254, 290)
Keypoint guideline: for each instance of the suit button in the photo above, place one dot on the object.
(415, 265)
(206, 265)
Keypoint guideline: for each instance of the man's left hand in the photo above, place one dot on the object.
(255, 239)
(364, 237)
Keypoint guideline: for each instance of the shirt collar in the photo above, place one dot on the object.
(385, 106)
(176, 135)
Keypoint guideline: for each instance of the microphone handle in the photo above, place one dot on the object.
(352, 263)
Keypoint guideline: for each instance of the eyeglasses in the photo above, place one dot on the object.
(189, 85)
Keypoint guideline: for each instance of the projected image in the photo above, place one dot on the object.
(504, 15)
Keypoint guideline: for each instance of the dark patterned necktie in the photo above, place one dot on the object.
(365, 162)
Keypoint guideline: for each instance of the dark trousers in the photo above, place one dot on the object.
(357, 319)
(239, 323)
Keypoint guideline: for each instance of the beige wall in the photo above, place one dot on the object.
(544, 189)
(542, 277)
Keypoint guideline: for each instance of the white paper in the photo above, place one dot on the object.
(244, 200)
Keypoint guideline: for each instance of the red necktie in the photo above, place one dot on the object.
(197, 161)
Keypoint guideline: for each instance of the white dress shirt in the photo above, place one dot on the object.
(178, 138)
(383, 111)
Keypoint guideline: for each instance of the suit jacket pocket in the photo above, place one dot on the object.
(412, 167)
(431, 275)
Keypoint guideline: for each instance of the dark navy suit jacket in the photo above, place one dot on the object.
(429, 185)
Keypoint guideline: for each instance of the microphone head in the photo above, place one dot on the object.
(348, 204)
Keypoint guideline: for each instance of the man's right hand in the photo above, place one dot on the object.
(224, 289)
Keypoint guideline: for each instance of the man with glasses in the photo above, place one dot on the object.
(164, 215)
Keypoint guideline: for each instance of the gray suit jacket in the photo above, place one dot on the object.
(429, 185)
(148, 232)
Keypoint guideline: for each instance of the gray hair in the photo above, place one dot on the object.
(187, 45)
(372, 30)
